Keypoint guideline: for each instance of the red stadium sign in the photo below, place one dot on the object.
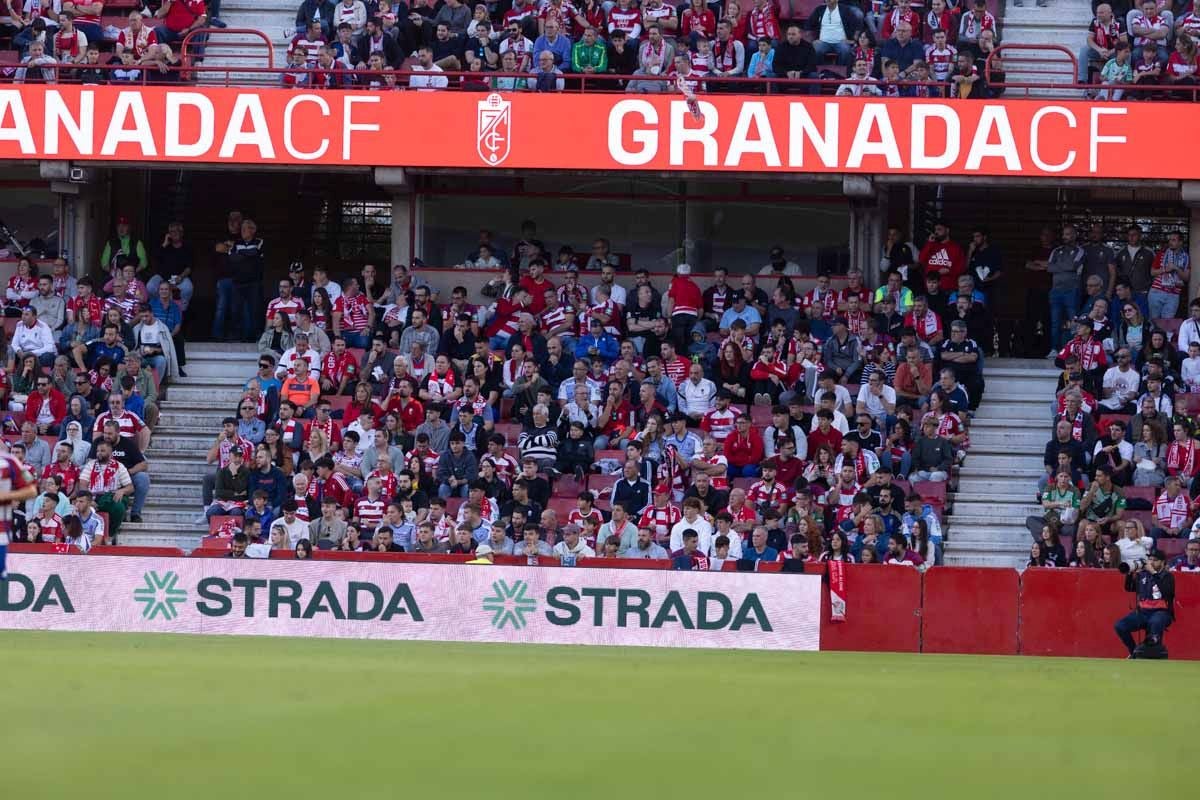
(600, 132)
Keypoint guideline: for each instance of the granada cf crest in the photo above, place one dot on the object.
(493, 129)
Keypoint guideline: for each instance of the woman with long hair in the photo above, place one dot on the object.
(1052, 547)
(1160, 345)
(22, 287)
(321, 311)
(838, 549)
(733, 373)
(1111, 557)
(317, 446)
(23, 382)
(422, 480)
(921, 545)
(1150, 456)
(1037, 556)
(362, 401)
(1091, 533)
(1085, 556)
(277, 338)
(820, 469)
(1132, 330)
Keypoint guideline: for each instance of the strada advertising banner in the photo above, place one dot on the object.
(603, 132)
(454, 603)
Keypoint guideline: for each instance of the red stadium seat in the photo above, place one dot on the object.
(562, 506)
(1148, 493)
(741, 483)
(511, 431)
(601, 485)
(931, 491)
(1172, 547)
(338, 403)
(619, 455)
(760, 416)
(567, 486)
(1191, 402)
(452, 506)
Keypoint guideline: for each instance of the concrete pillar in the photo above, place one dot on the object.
(697, 250)
(406, 222)
(82, 210)
(868, 225)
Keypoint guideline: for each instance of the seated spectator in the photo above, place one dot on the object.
(37, 66)
(179, 18)
(932, 454)
(835, 28)
(1149, 26)
(425, 63)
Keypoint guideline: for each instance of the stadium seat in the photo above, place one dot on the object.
(452, 506)
(741, 483)
(1172, 547)
(601, 485)
(338, 404)
(1144, 517)
(1191, 402)
(511, 430)
(562, 506)
(619, 455)
(358, 353)
(567, 486)
(931, 491)
(1148, 493)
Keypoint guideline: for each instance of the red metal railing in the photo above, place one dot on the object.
(216, 41)
(1070, 62)
(357, 79)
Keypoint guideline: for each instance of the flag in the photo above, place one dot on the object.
(837, 591)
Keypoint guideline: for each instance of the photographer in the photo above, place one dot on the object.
(1155, 607)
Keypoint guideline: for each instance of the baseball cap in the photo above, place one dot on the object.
(839, 321)
(663, 488)
(122, 220)
(958, 325)
(1084, 321)
(296, 266)
(776, 252)
(683, 269)
(484, 550)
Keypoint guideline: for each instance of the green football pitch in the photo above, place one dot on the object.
(133, 716)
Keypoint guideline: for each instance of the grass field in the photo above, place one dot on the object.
(131, 716)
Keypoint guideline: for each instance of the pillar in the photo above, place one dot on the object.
(83, 197)
(406, 221)
(868, 225)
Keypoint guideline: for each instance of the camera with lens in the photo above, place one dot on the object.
(1137, 565)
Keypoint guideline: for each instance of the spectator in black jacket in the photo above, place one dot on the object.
(319, 10)
(376, 41)
(1062, 442)
(576, 452)
(631, 492)
(796, 58)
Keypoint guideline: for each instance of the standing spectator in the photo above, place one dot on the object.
(247, 265)
(1064, 264)
(1134, 262)
(942, 256)
(683, 301)
(1171, 271)
(973, 23)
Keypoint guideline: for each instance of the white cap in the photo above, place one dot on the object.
(483, 550)
(683, 269)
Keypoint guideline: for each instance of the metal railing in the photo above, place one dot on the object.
(1000, 54)
(363, 80)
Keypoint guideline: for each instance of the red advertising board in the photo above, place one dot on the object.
(970, 610)
(774, 133)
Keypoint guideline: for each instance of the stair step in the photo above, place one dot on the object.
(211, 396)
(982, 520)
(195, 419)
(1003, 498)
(1019, 439)
(952, 559)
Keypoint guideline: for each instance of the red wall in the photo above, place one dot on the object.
(970, 610)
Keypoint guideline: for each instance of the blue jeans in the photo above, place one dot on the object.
(1062, 309)
(224, 306)
(844, 50)
(1155, 623)
(247, 310)
(1163, 305)
(216, 511)
(25, 38)
(445, 491)
(141, 488)
(748, 471)
(901, 470)
(360, 340)
(498, 342)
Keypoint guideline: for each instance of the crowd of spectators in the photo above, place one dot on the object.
(655, 46)
(1151, 43)
(86, 362)
(587, 410)
(1121, 465)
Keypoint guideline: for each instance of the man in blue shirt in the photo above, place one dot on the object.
(554, 41)
(107, 346)
(759, 550)
(598, 342)
(902, 49)
(164, 307)
(743, 311)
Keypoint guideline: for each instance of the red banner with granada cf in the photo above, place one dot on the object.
(777, 133)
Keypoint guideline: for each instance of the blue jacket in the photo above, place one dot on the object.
(273, 482)
(561, 49)
(606, 344)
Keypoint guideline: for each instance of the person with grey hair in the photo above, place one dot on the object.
(963, 359)
(539, 441)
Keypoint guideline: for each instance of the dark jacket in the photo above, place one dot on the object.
(932, 455)
(576, 452)
(1054, 447)
(849, 21)
(391, 51)
(1155, 590)
(800, 58)
(310, 8)
(229, 486)
(273, 482)
(904, 55)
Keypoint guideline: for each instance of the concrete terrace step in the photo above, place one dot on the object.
(987, 471)
(165, 493)
(1027, 410)
(224, 371)
(981, 423)
(175, 467)
(193, 395)
(186, 537)
(1024, 438)
(997, 511)
(1002, 496)
(208, 419)
(1041, 372)
(986, 520)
